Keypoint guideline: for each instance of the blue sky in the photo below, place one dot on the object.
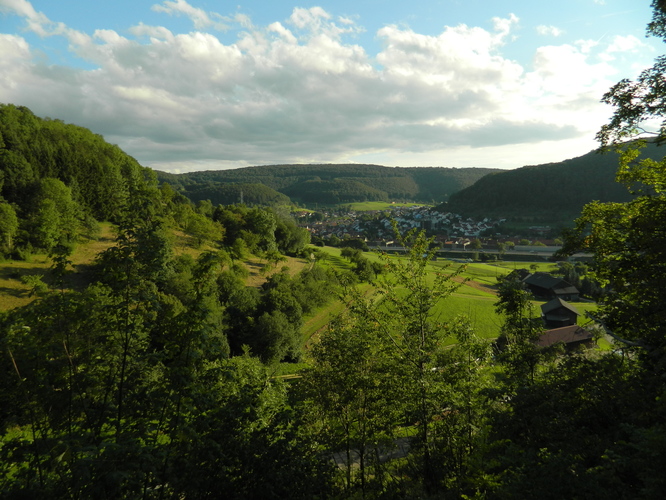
(202, 84)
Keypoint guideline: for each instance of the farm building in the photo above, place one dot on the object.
(571, 336)
(558, 313)
(546, 286)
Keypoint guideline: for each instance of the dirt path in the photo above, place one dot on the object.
(476, 285)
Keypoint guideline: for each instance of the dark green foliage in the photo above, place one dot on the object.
(262, 230)
(8, 226)
(384, 364)
(325, 183)
(579, 432)
(363, 268)
(519, 332)
(289, 238)
(228, 194)
(99, 174)
(353, 391)
(558, 190)
(125, 390)
(594, 427)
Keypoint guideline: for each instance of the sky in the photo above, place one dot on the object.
(188, 85)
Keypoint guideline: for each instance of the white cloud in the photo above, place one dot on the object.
(154, 32)
(199, 17)
(503, 26)
(627, 43)
(549, 30)
(305, 93)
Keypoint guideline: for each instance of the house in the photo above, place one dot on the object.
(571, 336)
(546, 286)
(558, 313)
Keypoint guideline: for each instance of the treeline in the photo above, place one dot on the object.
(559, 189)
(230, 194)
(332, 184)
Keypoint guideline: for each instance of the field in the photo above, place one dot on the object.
(475, 298)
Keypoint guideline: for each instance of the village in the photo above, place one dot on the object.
(451, 232)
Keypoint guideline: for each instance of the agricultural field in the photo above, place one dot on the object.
(474, 299)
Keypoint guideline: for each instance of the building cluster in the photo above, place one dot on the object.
(560, 318)
(377, 225)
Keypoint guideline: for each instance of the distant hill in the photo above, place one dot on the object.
(557, 190)
(326, 184)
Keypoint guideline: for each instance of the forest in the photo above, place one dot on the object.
(557, 188)
(158, 376)
(328, 184)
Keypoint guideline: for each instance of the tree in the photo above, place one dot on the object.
(628, 242)
(351, 391)
(628, 239)
(642, 100)
(8, 226)
(391, 361)
(203, 229)
(408, 319)
(520, 329)
(56, 215)
(501, 248)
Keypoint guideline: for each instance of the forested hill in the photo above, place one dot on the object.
(324, 183)
(554, 188)
(96, 174)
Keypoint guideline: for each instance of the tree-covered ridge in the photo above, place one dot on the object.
(335, 183)
(563, 187)
(100, 175)
(58, 180)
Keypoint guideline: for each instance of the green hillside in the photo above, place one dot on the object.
(329, 184)
(559, 189)
(98, 174)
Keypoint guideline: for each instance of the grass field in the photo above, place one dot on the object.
(475, 298)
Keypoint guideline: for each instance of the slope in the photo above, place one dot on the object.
(559, 190)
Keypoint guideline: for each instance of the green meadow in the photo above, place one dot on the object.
(474, 298)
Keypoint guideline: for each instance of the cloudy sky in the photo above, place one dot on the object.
(186, 85)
